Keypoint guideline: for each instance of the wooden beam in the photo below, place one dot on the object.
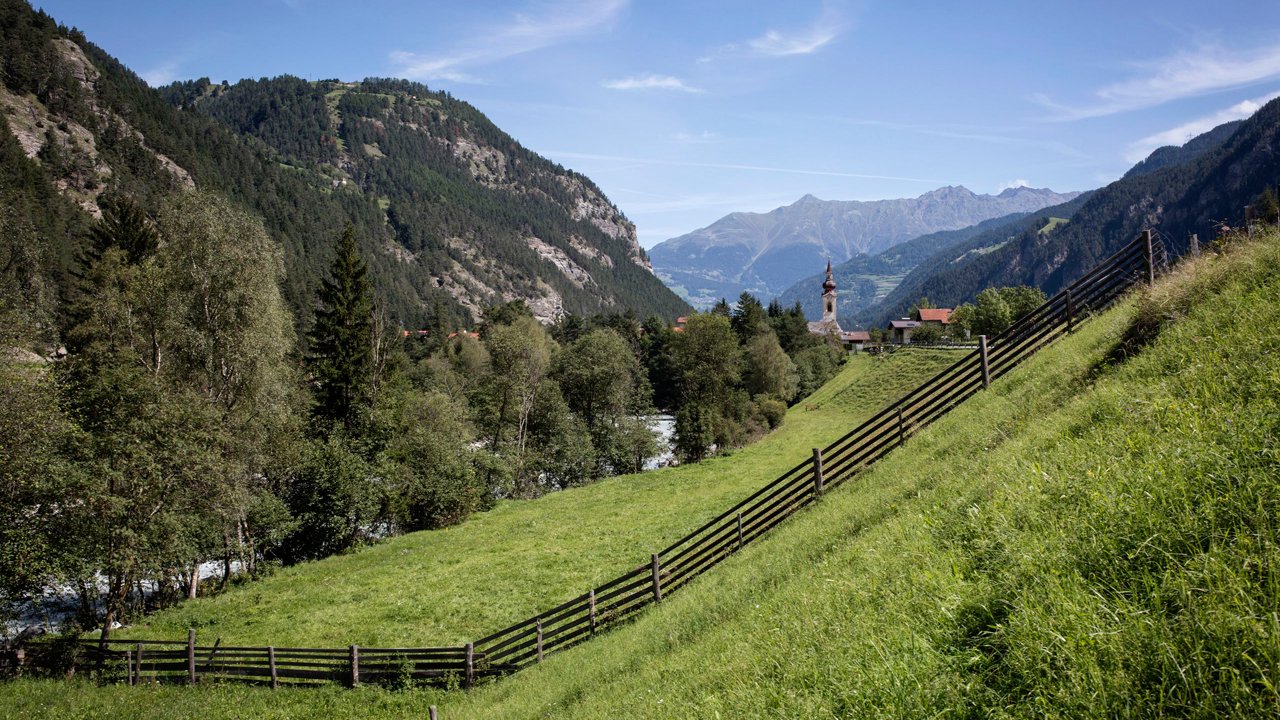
(353, 652)
(817, 473)
(191, 656)
(1071, 312)
(986, 365)
(656, 566)
(271, 664)
(470, 678)
(1148, 256)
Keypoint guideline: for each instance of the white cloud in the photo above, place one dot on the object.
(1020, 182)
(161, 75)
(552, 24)
(652, 82)
(1140, 149)
(1189, 74)
(778, 43)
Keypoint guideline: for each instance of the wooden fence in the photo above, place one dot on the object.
(580, 618)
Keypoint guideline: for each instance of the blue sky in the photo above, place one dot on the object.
(684, 111)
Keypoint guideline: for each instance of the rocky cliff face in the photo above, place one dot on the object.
(58, 138)
(452, 213)
(765, 253)
(486, 219)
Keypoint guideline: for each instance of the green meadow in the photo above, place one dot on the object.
(1095, 536)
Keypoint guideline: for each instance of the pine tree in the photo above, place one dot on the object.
(341, 361)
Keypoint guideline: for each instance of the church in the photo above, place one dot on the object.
(828, 324)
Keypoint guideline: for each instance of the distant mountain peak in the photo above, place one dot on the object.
(765, 253)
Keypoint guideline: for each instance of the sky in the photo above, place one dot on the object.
(683, 111)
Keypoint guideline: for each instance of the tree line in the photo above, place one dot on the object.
(191, 423)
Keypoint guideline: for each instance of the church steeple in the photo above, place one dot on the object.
(829, 296)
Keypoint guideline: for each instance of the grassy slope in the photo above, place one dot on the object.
(449, 586)
(1091, 538)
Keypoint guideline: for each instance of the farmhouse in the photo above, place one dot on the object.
(938, 317)
(900, 330)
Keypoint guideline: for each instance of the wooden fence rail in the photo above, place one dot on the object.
(527, 642)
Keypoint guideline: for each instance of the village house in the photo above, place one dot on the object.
(900, 330)
(938, 317)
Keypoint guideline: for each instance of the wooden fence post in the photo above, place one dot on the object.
(19, 659)
(1248, 219)
(657, 580)
(271, 665)
(128, 666)
(1195, 245)
(431, 713)
(986, 366)
(137, 667)
(191, 656)
(902, 428)
(354, 652)
(1071, 312)
(739, 530)
(591, 609)
(470, 679)
(817, 473)
(539, 639)
(1147, 255)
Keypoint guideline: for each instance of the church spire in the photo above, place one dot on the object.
(830, 283)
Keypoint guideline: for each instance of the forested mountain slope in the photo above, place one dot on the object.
(451, 212)
(1196, 191)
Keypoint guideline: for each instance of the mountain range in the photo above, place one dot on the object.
(765, 253)
(1198, 188)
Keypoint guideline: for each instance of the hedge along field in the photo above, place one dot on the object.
(1093, 537)
(453, 585)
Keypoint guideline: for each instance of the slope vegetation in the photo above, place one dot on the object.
(1093, 537)
(456, 584)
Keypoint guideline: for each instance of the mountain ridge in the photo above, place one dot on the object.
(765, 253)
(451, 213)
(1196, 188)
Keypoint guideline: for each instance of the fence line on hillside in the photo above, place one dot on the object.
(527, 642)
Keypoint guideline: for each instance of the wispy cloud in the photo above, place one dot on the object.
(162, 74)
(732, 166)
(1140, 149)
(780, 43)
(549, 25)
(652, 82)
(706, 136)
(1020, 182)
(1205, 70)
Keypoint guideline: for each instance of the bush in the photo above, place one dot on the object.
(772, 409)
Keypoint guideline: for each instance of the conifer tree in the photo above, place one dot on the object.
(342, 338)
